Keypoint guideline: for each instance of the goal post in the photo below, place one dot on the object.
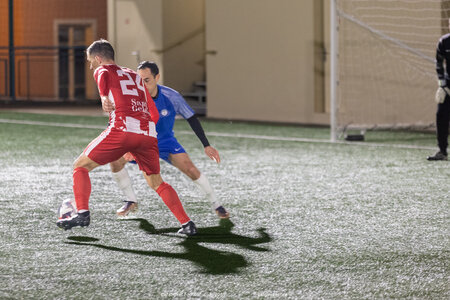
(382, 63)
(333, 71)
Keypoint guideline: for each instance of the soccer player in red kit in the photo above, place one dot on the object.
(131, 129)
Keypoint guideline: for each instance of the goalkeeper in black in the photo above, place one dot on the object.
(442, 96)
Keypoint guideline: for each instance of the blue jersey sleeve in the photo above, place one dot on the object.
(180, 105)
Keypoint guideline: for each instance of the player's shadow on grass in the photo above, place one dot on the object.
(218, 234)
(210, 261)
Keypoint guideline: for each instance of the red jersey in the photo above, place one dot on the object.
(135, 110)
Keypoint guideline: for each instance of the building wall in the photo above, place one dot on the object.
(135, 30)
(264, 61)
(169, 32)
(35, 25)
(34, 20)
(3, 43)
(184, 43)
(4, 23)
(260, 60)
(262, 56)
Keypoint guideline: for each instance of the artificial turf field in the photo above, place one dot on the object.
(309, 219)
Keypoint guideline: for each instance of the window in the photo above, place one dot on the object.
(72, 62)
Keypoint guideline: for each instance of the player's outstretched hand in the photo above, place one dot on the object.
(212, 153)
(107, 105)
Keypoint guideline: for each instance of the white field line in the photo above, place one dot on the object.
(231, 135)
(69, 125)
(306, 140)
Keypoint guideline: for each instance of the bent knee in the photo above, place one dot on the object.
(78, 163)
(117, 166)
(153, 180)
(192, 172)
(84, 162)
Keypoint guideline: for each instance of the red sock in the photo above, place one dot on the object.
(170, 198)
(81, 188)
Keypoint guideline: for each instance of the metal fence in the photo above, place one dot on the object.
(57, 74)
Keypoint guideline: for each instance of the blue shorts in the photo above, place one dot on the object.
(169, 146)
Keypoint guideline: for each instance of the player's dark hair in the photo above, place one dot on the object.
(151, 65)
(101, 48)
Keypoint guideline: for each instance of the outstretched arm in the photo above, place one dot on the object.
(210, 151)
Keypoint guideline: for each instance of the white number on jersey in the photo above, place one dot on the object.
(127, 82)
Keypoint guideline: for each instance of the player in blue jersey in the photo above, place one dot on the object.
(169, 103)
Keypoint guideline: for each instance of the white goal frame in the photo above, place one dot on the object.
(335, 15)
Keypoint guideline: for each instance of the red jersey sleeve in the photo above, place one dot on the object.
(151, 106)
(101, 78)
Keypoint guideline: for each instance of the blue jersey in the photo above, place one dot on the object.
(169, 103)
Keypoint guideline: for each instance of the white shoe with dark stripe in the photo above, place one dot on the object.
(222, 212)
(127, 208)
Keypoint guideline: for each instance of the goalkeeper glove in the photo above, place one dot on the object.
(440, 95)
(442, 92)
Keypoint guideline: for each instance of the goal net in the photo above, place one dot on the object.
(386, 62)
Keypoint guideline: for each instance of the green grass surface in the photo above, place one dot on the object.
(309, 220)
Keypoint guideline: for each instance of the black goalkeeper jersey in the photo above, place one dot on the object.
(443, 53)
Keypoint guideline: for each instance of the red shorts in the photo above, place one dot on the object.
(112, 144)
